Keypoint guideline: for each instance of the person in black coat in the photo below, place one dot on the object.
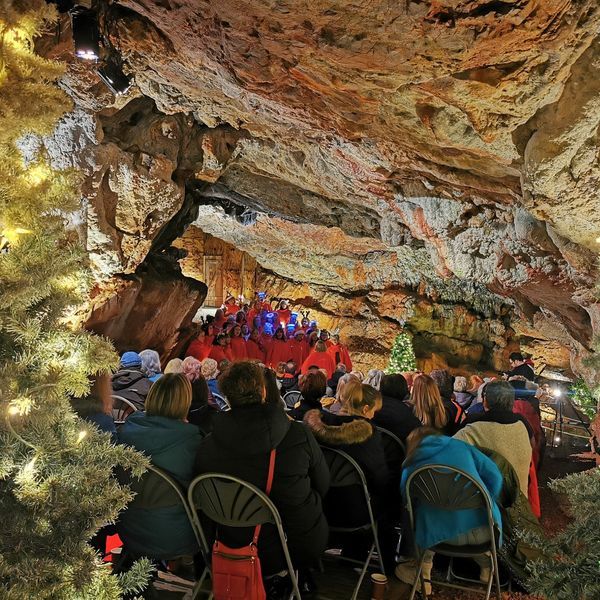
(240, 445)
(395, 415)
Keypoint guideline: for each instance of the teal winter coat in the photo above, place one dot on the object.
(155, 524)
(433, 525)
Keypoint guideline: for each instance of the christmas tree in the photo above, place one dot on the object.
(571, 570)
(56, 488)
(402, 357)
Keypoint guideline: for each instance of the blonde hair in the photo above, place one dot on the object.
(321, 346)
(427, 402)
(351, 396)
(175, 365)
(170, 396)
(190, 367)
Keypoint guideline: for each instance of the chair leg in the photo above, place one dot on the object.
(295, 589)
(362, 573)
(497, 575)
(418, 575)
(450, 572)
(198, 585)
(376, 542)
(488, 591)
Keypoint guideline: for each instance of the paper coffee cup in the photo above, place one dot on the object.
(379, 584)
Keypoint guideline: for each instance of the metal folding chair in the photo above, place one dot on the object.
(451, 489)
(292, 398)
(345, 471)
(233, 502)
(223, 400)
(121, 409)
(148, 489)
(394, 449)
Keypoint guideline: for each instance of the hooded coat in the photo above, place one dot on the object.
(160, 529)
(396, 416)
(433, 525)
(239, 445)
(360, 440)
(132, 385)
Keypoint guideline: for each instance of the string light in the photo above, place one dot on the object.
(13, 410)
(81, 436)
(37, 174)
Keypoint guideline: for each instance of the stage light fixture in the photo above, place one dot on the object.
(114, 78)
(84, 22)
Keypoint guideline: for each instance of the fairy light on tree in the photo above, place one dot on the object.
(56, 485)
(402, 357)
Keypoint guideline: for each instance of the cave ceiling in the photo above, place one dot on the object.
(447, 149)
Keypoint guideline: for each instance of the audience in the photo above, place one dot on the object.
(162, 433)
(130, 382)
(240, 444)
(222, 409)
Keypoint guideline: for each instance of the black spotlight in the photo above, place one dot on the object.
(112, 75)
(84, 22)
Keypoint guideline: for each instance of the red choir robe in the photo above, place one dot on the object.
(279, 351)
(220, 353)
(231, 309)
(238, 348)
(200, 348)
(340, 354)
(323, 360)
(299, 351)
(255, 351)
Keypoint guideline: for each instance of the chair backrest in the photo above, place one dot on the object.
(291, 398)
(394, 449)
(233, 502)
(345, 471)
(230, 501)
(157, 489)
(121, 409)
(446, 488)
(223, 400)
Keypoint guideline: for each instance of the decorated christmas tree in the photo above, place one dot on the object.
(402, 357)
(56, 488)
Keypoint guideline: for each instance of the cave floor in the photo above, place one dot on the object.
(337, 581)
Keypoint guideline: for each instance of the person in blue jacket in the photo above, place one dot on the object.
(160, 528)
(427, 446)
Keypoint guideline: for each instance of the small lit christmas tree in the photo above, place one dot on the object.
(56, 484)
(402, 357)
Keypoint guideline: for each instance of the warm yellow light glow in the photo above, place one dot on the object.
(598, 240)
(18, 38)
(81, 436)
(29, 469)
(13, 410)
(12, 234)
(38, 174)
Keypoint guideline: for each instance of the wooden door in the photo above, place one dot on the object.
(213, 277)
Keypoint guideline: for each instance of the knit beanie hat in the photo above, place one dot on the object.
(209, 368)
(130, 359)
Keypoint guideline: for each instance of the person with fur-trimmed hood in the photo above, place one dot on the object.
(352, 432)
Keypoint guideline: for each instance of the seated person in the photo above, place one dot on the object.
(201, 413)
(240, 445)
(427, 446)
(312, 387)
(461, 396)
(428, 406)
(395, 414)
(162, 433)
(151, 364)
(500, 430)
(287, 377)
(445, 383)
(130, 382)
(351, 431)
(210, 372)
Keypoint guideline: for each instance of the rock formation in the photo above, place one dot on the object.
(428, 162)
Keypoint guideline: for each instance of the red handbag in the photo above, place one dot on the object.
(236, 572)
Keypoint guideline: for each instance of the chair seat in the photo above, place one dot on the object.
(462, 551)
